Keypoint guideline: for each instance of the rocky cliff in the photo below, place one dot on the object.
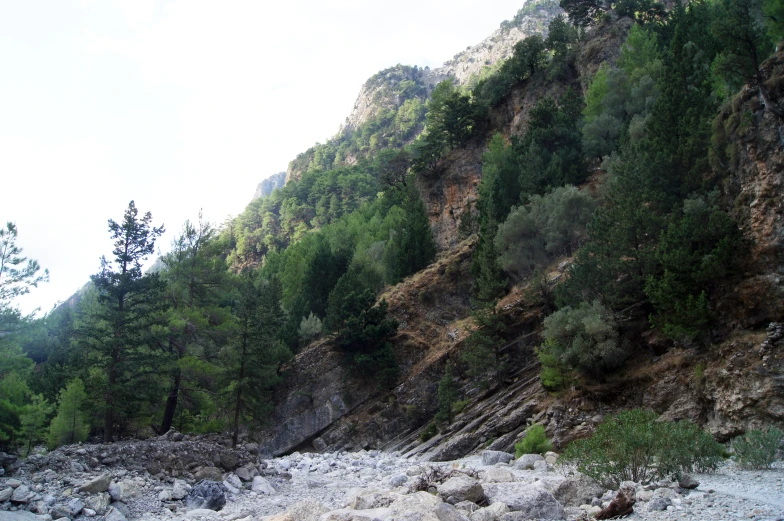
(729, 386)
(271, 183)
(382, 91)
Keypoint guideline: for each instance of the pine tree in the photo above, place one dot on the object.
(119, 333)
(253, 358)
(69, 425)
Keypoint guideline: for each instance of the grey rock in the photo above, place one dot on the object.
(164, 495)
(491, 457)
(490, 513)
(467, 506)
(76, 467)
(306, 510)
(576, 490)
(687, 481)
(98, 502)
(61, 511)
(262, 486)
(527, 461)
(209, 473)
(229, 460)
(462, 488)
(179, 489)
(512, 516)
(206, 494)
(532, 501)
(244, 474)
(20, 515)
(115, 514)
(233, 480)
(124, 490)
(445, 512)
(496, 475)
(89, 512)
(13, 483)
(5, 494)
(99, 484)
(551, 458)
(659, 504)
(22, 494)
(252, 448)
(399, 480)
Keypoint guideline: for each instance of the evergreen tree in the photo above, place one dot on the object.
(195, 278)
(120, 332)
(34, 421)
(255, 354)
(448, 394)
(69, 425)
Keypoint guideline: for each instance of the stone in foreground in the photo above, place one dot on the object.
(534, 502)
(206, 494)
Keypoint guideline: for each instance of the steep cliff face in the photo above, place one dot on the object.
(268, 185)
(728, 387)
(750, 150)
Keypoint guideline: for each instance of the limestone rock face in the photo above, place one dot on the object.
(266, 187)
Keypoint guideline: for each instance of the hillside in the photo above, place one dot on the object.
(590, 225)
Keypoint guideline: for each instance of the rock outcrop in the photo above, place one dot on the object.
(271, 183)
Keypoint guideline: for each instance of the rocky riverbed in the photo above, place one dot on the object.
(159, 480)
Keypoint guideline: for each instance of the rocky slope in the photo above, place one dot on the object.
(732, 385)
(94, 482)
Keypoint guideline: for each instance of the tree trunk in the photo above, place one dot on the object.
(236, 434)
(171, 403)
(108, 418)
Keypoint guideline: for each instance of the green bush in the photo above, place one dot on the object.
(757, 448)
(430, 431)
(583, 338)
(533, 442)
(634, 446)
(459, 406)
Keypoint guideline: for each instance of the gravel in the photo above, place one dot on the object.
(334, 479)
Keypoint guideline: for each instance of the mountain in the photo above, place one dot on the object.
(266, 187)
(389, 110)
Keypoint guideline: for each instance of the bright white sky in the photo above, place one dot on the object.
(184, 104)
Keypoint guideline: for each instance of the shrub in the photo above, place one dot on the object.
(584, 338)
(757, 448)
(459, 406)
(633, 446)
(430, 431)
(533, 442)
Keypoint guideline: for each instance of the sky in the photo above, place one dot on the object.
(182, 105)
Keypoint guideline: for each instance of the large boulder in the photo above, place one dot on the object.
(420, 505)
(262, 486)
(206, 494)
(490, 513)
(22, 494)
(577, 490)
(125, 490)
(99, 484)
(461, 488)
(491, 457)
(5, 494)
(179, 489)
(115, 514)
(532, 500)
(527, 461)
